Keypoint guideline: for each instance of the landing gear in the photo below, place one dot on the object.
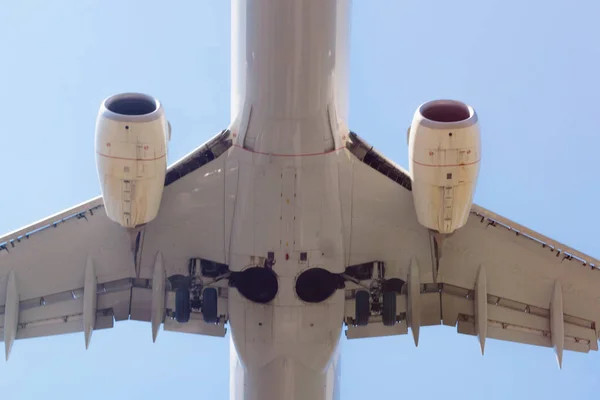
(363, 307)
(390, 290)
(376, 292)
(389, 308)
(182, 305)
(209, 305)
(198, 290)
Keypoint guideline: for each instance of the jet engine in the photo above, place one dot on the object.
(131, 157)
(444, 148)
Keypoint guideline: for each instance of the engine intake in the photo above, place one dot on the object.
(132, 104)
(445, 111)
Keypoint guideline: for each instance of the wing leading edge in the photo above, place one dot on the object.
(78, 271)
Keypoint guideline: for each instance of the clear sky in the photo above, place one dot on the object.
(530, 68)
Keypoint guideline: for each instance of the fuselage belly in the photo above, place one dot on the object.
(289, 111)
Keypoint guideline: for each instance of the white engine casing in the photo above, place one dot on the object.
(444, 147)
(131, 157)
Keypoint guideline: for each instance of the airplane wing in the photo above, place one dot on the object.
(50, 271)
(492, 278)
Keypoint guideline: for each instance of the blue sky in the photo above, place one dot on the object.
(529, 69)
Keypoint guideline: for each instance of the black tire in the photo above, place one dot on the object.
(182, 305)
(363, 307)
(389, 308)
(209, 305)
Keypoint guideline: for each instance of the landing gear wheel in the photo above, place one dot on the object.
(363, 307)
(209, 305)
(389, 308)
(182, 305)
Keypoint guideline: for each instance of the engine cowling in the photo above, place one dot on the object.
(444, 147)
(131, 157)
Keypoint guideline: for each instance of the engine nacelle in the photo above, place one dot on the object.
(444, 148)
(131, 157)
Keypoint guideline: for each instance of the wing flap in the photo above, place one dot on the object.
(431, 309)
(195, 325)
(141, 304)
(516, 324)
(60, 326)
(376, 328)
(57, 319)
(62, 313)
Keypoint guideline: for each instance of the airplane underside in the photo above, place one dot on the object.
(289, 228)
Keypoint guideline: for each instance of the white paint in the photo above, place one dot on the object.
(481, 307)
(444, 165)
(131, 159)
(288, 108)
(414, 299)
(557, 322)
(289, 74)
(11, 313)
(287, 186)
(158, 295)
(89, 301)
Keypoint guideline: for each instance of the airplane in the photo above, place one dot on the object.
(288, 228)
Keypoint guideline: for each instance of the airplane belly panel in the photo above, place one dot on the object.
(318, 214)
(267, 188)
(242, 229)
(291, 207)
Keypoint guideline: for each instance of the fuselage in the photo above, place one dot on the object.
(288, 120)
